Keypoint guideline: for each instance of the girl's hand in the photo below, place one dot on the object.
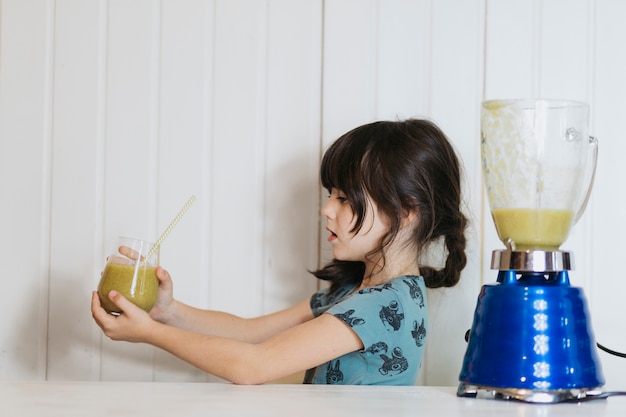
(132, 325)
(163, 309)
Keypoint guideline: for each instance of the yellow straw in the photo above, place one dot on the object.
(170, 227)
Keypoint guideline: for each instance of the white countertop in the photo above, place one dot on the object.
(118, 399)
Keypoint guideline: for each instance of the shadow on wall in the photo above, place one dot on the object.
(53, 339)
(23, 344)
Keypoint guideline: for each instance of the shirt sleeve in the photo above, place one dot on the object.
(376, 315)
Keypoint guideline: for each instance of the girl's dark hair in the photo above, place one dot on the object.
(404, 166)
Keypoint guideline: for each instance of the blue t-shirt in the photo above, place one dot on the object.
(391, 321)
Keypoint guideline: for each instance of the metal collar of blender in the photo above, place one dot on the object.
(532, 260)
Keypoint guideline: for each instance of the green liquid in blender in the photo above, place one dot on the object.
(533, 229)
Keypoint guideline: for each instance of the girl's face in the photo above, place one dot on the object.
(340, 220)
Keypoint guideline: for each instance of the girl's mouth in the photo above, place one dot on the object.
(332, 237)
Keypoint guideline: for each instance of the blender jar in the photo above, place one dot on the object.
(538, 162)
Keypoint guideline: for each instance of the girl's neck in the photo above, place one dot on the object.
(400, 259)
(376, 274)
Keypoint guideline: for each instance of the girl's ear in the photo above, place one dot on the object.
(408, 217)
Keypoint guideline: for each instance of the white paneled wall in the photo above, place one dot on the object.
(605, 223)
(113, 112)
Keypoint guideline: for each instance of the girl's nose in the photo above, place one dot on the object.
(326, 209)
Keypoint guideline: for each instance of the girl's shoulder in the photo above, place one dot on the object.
(393, 314)
(401, 284)
(404, 289)
(324, 299)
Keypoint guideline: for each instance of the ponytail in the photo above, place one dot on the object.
(455, 262)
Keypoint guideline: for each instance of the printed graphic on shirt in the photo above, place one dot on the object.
(376, 348)
(322, 301)
(316, 301)
(350, 321)
(392, 365)
(391, 316)
(380, 288)
(419, 333)
(333, 373)
(396, 364)
(415, 291)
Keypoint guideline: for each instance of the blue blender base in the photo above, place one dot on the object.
(531, 340)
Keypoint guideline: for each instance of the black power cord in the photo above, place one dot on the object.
(612, 352)
(599, 396)
(607, 394)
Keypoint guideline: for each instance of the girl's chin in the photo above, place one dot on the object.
(342, 257)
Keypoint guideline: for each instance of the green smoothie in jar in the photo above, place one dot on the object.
(138, 283)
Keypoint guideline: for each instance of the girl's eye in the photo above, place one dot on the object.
(338, 196)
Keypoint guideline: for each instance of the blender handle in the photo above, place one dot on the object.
(593, 142)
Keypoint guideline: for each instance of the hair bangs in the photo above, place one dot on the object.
(341, 169)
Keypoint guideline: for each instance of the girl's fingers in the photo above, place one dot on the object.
(162, 275)
(119, 300)
(128, 252)
(98, 313)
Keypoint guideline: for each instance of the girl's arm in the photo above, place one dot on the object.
(289, 351)
(216, 323)
(251, 330)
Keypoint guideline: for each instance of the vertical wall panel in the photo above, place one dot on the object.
(404, 53)
(350, 70)
(75, 264)
(565, 49)
(291, 203)
(182, 140)
(185, 47)
(606, 214)
(131, 150)
(456, 87)
(25, 91)
(238, 154)
(510, 48)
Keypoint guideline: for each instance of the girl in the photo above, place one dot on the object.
(394, 188)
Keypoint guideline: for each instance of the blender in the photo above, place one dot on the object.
(531, 336)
